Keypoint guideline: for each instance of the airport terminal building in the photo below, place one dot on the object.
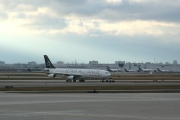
(174, 66)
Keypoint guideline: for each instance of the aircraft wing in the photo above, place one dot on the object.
(75, 75)
(35, 71)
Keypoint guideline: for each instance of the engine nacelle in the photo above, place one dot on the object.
(71, 77)
(52, 75)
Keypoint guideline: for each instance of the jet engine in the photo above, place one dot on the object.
(71, 77)
(52, 75)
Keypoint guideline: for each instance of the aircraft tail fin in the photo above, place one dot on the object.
(140, 69)
(126, 70)
(48, 62)
(108, 69)
(159, 70)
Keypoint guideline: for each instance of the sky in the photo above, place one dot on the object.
(85, 30)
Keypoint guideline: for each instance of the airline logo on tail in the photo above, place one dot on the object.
(48, 62)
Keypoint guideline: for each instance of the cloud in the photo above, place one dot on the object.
(127, 9)
(114, 17)
(137, 1)
(115, 2)
(130, 28)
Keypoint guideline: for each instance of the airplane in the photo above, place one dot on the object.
(150, 71)
(159, 70)
(131, 70)
(73, 73)
(146, 70)
(113, 70)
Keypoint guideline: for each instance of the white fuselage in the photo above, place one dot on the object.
(79, 73)
(147, 70)
(132, 70)
(164, 70)
(116, 70)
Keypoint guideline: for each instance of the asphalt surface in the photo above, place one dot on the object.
(54, 83)
(136, 106)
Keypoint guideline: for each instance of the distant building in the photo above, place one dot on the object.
(175, 62)
(94, 65)
(160, 63)
(127, 66)
(18, 66)
(120, 63)
(149, 65)
(32, 64)
(60, 63)
(93, 62)
(2, 63)
(134, 66)
(167, 64)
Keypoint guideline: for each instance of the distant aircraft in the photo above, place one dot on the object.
(146, 70)
(159, 70)
(131, 70)
(113, 70)
(73, 73)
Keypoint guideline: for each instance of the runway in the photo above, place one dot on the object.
(56, 83)
(74, 106)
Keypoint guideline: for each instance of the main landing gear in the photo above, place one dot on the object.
(81, 80)
(70, 80)
(108, 80)
(74, 80)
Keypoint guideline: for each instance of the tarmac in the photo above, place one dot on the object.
(91, 100)
(61, 86)
(36, 82)
(84, 106)
(54, 83)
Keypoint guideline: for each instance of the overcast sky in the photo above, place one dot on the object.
(85, 30)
